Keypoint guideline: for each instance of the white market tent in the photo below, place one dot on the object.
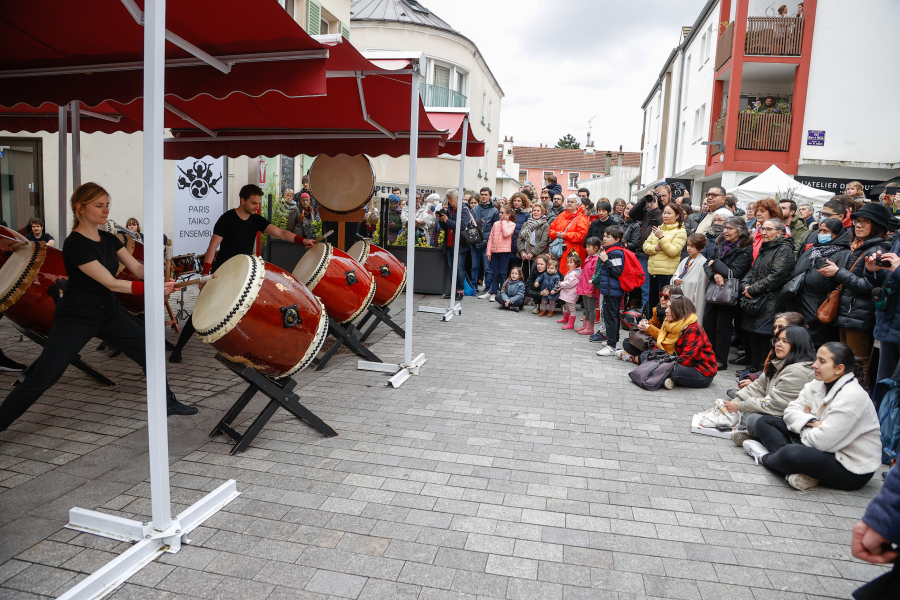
(774, 183)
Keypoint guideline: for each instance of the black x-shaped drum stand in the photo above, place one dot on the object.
(349, 336)
(280, 395)
(382, 315)
(75, 362)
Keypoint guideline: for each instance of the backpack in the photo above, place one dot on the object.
(887, 399)
(632, 276)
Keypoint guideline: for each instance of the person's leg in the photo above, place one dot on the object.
(571, 308)
(477, 259)
(690, 377)
(645, 287)
(489, 275)
(590, 309)
(724, 329)
(888, 360)
(824, 466)
(653, 296)
(772, 432)
(759, 349)
(516, 303)
(611, 319)
(448, 265)
(861, 342)
(503, 266)
(67, 337)
(460, 270)
(187, 332)
(750, 422)
(642, 356)
(628, 347)
(494, 264)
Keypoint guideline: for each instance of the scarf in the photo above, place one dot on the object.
(728, 247)
(671, 331)
(823, 251)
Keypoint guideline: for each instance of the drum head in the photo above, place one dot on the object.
(8, 233)
(14, 274)
(359, 251)
(342, 184)
(312, 265)
(224, 300)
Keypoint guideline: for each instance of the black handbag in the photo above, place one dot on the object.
(653, 372)
(754, 306)
(726, 294)
(793, 287)
(472, 235)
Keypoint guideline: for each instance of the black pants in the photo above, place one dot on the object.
(718, 322)
(75, 322)
(657, 283)
(789, 456)
(610, 313)
(690, 377)
(512, 303)
(460, 271)
(187, 332)
(760, 345)
(629, 348)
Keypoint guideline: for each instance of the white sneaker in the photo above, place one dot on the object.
(755, 449)
(669, 384)
(801, 482)
(606, 351)
(491, 298)
(485, 296)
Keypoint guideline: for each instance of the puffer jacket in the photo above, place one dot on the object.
(693, 221)
(541, 229)
(737, 260)
(530, 290)
(585, 288)
(486, 215)
(500, 239)
(665, 261)
(799, 232)
(849, 424)
(770, 271)
(522, 216)
(887, 321)
(816, 287)
(771, 396)
(647, 219)
(857, 310)
(598, 227)
(632, 239)
(512, 291)
(577, 225)
(554, 211)
(569, 286)
(606, 274)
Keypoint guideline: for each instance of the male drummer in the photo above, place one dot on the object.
(235, 234)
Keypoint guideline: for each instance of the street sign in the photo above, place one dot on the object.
(815, 138)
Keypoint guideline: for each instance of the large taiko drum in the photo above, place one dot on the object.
(344, 285)
(8, 237)
(342, 184)
(388, 271)
(29, 282)
(257, 314)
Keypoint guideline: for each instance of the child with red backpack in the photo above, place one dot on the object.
(606, 279)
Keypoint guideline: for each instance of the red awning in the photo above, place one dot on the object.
(453, 121)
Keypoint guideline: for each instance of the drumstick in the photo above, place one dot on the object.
(18, 245)
(324, 235)
(178, 286)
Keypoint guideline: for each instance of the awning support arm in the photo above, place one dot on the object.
(366, 117)
(180, 113)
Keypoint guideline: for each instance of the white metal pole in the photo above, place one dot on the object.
(63, 203)
(154, 78)
(459, 209)
(76, 143)
(411, 203)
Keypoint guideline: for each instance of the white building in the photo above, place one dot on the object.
(456, 77)
(835, 101)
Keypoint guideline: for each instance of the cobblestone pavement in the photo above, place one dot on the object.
(518, 465)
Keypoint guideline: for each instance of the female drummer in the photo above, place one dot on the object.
(89, 307)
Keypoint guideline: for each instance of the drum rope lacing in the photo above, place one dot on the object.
(316, 346)
(400, 289)
(240, 303)
(24, 276)
(317, 275)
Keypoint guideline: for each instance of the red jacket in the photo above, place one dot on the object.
(694, 350)
(574, 237)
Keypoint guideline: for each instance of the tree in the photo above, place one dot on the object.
(568, 141)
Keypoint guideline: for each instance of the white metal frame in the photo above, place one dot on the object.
(162, 533)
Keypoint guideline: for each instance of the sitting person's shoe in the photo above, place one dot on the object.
(175, 357)
(445, 296)
(801, 482)
(8, 364)
(755, 449)
(669, 384)
(514, 308)
(742, 359)
(485, 296)
(732, 392)
(597, 337)
(174, 407)
(606, 351)
(537, 309)
(492, 298)
(741, 436)
(459, 296)
(543, 313)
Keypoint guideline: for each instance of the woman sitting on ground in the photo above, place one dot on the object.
(780, 383)
(681, 335)
(829, 434)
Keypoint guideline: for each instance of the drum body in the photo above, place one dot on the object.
(185, 264)
(28, 286)
(389, 273)
(7, 238)
(257, 314)
(345, 286)
(131, 302)
(342, 184)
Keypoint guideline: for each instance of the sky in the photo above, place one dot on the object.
(570, 60)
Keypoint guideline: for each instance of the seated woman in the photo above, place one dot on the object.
(781, 382)
(782, 320)
(651, 327)
(829, 434)
(681, 335)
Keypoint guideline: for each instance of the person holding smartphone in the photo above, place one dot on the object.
(890, 197)
(887, 316)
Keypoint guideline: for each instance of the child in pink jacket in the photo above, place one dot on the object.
(499, 247)
(589, 294)
(568, 290)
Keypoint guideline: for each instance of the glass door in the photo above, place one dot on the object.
(21, 196)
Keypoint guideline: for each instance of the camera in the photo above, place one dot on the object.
(652, 197)
(883, 263)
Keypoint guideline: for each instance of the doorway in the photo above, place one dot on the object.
(21, 178)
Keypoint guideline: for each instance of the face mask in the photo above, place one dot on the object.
(718, 228)
(824, 238)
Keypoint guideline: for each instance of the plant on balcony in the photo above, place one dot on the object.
(720, 123)
(723, 26)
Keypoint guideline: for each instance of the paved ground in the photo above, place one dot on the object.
(519, 465)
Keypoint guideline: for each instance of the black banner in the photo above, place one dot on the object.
(835, 186)
(286, 177)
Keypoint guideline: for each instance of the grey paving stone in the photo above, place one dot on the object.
(389, 590)
(480, 584)
(189, 582)
(283, 574)
(336, 584)
(39, 579)
(429, 575)
(375, 566)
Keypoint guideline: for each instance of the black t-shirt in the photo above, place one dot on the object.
(238, 236)
(45, 237)
(79, 250)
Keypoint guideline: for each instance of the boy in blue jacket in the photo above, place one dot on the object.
(549, 282)
(606, 279)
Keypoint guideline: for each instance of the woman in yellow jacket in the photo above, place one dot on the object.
(664, 246)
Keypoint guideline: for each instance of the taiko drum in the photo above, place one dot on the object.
(30, 283)
(387, 270)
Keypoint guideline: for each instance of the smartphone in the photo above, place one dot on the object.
(891, 190)
(822, 263)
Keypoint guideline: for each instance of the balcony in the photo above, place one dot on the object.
(724, 46)
(774, 36)
(763, 131)
(440, 97)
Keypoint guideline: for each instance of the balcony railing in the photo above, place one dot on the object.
(434, 96)
(724, 46)
(764, 131)
(774, 36)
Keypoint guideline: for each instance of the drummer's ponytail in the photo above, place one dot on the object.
(83, 195)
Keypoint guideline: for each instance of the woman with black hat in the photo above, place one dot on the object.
(856, 314)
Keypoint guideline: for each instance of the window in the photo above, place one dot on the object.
(483, 105)
(696, 125)
(659, 102)
(702, 51)
(594, 175)
(287, 5)
(547, 173)
(323, 27)
(461, 82)
(655, 157)
(441, 76)
(490, 114)
(683, 139)
(523, 176)
(687, 81)
(573, 180)
(709, 39)
(702, 122)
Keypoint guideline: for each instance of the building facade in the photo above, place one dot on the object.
(456, 77)
(701, 122)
